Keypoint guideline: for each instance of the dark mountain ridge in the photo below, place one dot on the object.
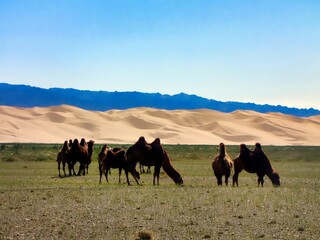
(28, 96)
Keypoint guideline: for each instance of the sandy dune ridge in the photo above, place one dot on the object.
(58, 123)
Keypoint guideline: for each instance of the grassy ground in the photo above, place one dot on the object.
(36, 204)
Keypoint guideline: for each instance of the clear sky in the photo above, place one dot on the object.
(261, 51)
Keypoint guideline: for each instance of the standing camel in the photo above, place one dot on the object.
(222, 165)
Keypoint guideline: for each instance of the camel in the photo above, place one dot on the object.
(63, 157)
(117, 159)
(152, 154)
(222, 165)
(79, 153)
(254, 162)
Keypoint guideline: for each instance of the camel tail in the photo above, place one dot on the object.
(169, 169)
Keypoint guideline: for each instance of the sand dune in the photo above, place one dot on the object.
(58, 123)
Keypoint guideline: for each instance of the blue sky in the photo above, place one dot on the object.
(262, 51)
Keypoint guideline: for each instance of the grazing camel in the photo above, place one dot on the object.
(152, 154)
(254, 162)
(222, 165)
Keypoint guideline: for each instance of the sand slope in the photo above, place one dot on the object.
(58, 123)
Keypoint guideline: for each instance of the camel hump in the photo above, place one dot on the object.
(116, 149)
(121, 153)
(141, 141)
(65, 146)
(75, 142)
(156, 143)
(82, 142)
(110, 153)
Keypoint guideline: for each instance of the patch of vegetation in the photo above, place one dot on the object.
(36, 204)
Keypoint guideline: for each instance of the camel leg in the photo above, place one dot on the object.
(70, 167)
(156, 174)
(80, 169)
(59, 168)
(100, 177)
(100, 171)
(158, 177)
(135, 178)
(120, 169)
(84, 169)
(219, 178)
(226, 178)
(235, 179)
(237, 169)
(106, 174)
(64, 168)
(126, 172)
(260, 180)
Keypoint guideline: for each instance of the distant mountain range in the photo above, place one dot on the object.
(28, 96)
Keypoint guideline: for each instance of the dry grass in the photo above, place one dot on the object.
(36, 204)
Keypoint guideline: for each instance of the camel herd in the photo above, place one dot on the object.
(154, 154)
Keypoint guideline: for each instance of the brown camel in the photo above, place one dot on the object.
(254, 162)
(79, 154)
(222, 165)
(152, 154)
(63, 157)
(117, 159)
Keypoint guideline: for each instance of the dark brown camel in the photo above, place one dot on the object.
(152, 155)
(117, 160)
(79, 154)
(101, 155)
(63, 157)
(254, 162)
(222, 165)
(90, 152)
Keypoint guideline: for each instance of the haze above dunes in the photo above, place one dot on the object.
(58, 123)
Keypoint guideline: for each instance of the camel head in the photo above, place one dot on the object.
(104, 147)
(222, 149)
(179, 181)
(244, 150)
(90, 144)
(275, 178)
(65, 144)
